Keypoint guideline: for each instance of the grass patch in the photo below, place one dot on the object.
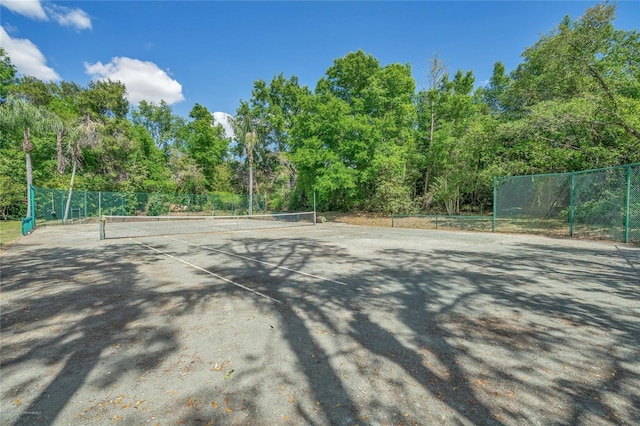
(10, 230)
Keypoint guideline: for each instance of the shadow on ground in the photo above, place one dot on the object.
(541, 335)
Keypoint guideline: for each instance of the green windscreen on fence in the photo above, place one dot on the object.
(50, 205)
(597, 204)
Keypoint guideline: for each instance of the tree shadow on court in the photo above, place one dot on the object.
(438, 333)
(70, 308)
(488, 325)
(275, 274)
(342, 310)
(591, 341)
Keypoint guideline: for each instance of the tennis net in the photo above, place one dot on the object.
(142, 226)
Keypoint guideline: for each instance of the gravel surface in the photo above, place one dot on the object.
(327, 325)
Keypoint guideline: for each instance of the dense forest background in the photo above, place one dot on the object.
(367, 137)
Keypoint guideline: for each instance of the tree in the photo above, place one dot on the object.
(104, 100)
(271, 113)
(354, 141)
(84, 134)
(588, 74)
(493, 95)
(427, 110)
(206, 144)
(16, 114)
(12, 193)
(349, 77)
(159, 121)
(7, 74)
(245, 128)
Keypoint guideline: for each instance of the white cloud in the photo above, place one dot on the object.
(34, 9)
(67, 17)
(29, 8)
(143, 80)
(226, 121)
(27, 58)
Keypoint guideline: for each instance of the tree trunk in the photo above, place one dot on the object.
(250, 186)
(66, 210)
(426, 186)
(27, 147)
(428, 172)
(60, 153)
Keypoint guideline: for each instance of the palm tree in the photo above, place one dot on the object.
(17, 114)
(244, 127)
(84, 134)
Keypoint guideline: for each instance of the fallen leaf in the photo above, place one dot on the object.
(191, 402)
(126, 406)
(139, 403)
(117, 418)
(228, 409)
(214, 404)
(17, 402)
(228, 375)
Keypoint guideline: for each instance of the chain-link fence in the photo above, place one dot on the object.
(50, 205)
(597, 204)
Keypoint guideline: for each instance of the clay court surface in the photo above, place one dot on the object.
(331, 324)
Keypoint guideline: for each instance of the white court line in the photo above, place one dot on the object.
(260, 261)
(208, 272)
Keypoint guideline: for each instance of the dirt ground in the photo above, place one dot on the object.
(358, 219)
(333, 324)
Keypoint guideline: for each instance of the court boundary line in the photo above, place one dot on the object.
(250, 259)
(207, 271)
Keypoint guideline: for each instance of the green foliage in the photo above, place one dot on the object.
(157, 205)
(364, 138)
(205, 143)
(163, 127)
(104, 100)
(7, 73)
(13, 195)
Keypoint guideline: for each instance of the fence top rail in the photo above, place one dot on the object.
(623, 166)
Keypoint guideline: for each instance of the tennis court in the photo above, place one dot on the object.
(322, 325)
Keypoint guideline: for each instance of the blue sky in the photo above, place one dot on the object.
(210, 52)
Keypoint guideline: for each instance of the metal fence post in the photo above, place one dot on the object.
(627, 218)
(571, 202)
(495, 207)
(62, 210)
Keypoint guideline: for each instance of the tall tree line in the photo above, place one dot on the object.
(364, 138)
